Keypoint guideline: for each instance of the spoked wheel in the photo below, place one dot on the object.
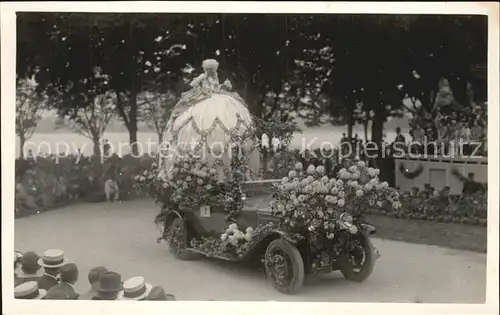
(284, 266)
(177, 238)
(359, 262)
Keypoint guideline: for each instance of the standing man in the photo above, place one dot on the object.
(52, 261)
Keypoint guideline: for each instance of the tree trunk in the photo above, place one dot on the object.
(22, 141)
(132, 128)
(365, 126)
(97, 184)
(378, 127)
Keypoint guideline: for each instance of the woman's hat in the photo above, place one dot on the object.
(52, 258)
(135, 288)
(109, 282)
(29, 291)
(210, 64)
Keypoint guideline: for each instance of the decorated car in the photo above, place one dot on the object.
(304, 223)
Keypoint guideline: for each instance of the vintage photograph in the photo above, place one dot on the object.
(251, 157)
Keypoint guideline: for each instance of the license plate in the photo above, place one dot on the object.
(205, 212)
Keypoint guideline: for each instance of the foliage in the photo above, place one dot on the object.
(313, 200)
(30, 106)
(155, 110)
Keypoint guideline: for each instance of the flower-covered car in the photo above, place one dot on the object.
(305, 223)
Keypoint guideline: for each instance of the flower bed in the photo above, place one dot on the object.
(467, 209)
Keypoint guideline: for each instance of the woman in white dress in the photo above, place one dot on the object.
(204, 122)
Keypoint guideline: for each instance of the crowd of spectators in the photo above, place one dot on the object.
(53, 277)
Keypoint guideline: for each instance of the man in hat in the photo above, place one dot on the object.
(94, 275)
(29, 291)
(51, 261)
(109, 286)
(158, 294)
(135, 289)
(30, 269)
(65, 290)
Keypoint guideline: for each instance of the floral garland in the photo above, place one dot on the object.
(314, 201)
(411, 174)
(233, 243)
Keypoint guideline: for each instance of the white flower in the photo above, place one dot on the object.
(361, 164)
(223, 237)
(385, 185)
(334, 191)
(298, 166)
(324, 179)
(345, 175)
(395, 205)
(368, 187)
(311, 169)
(281, 208)
(377, 172)
(374, 181)
(355, 175)
(200, 181)
(341, 202)
(213, 171)
(354, 183)
(301, 198)
(379, 204)
(310, 179)
(359, 193)
(248, 237)
(330, 236)
(292, 174)
(334, 200)
(321, 214)
(284, 180)
(165, 185)
(341, 194)
(353, 169)
(188, 179)
(233, 227)
(186, 166)
(142, 178)
(320, 170)
(249, 229)
(339, 183)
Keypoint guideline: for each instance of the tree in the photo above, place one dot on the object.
(30, 106)
(156, 109)
(90, 107)
(130, 48)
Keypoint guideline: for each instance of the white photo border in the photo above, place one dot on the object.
(8, 50)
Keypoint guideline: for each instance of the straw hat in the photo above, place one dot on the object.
(29, 291)
(52, 258)
(135, 288)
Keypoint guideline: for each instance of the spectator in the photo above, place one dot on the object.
(399, 141)
(470, 185)
(414, 191)
(109, 286)
(94, 275)
(30, 269)
(158, 294)
(52, 260)
(136, 289)
(24, 203)
(111, 190)
(65, 290)
(29, 291)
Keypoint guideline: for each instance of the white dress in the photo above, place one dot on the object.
(204, 122)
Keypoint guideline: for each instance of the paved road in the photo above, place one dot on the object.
(123, 238)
